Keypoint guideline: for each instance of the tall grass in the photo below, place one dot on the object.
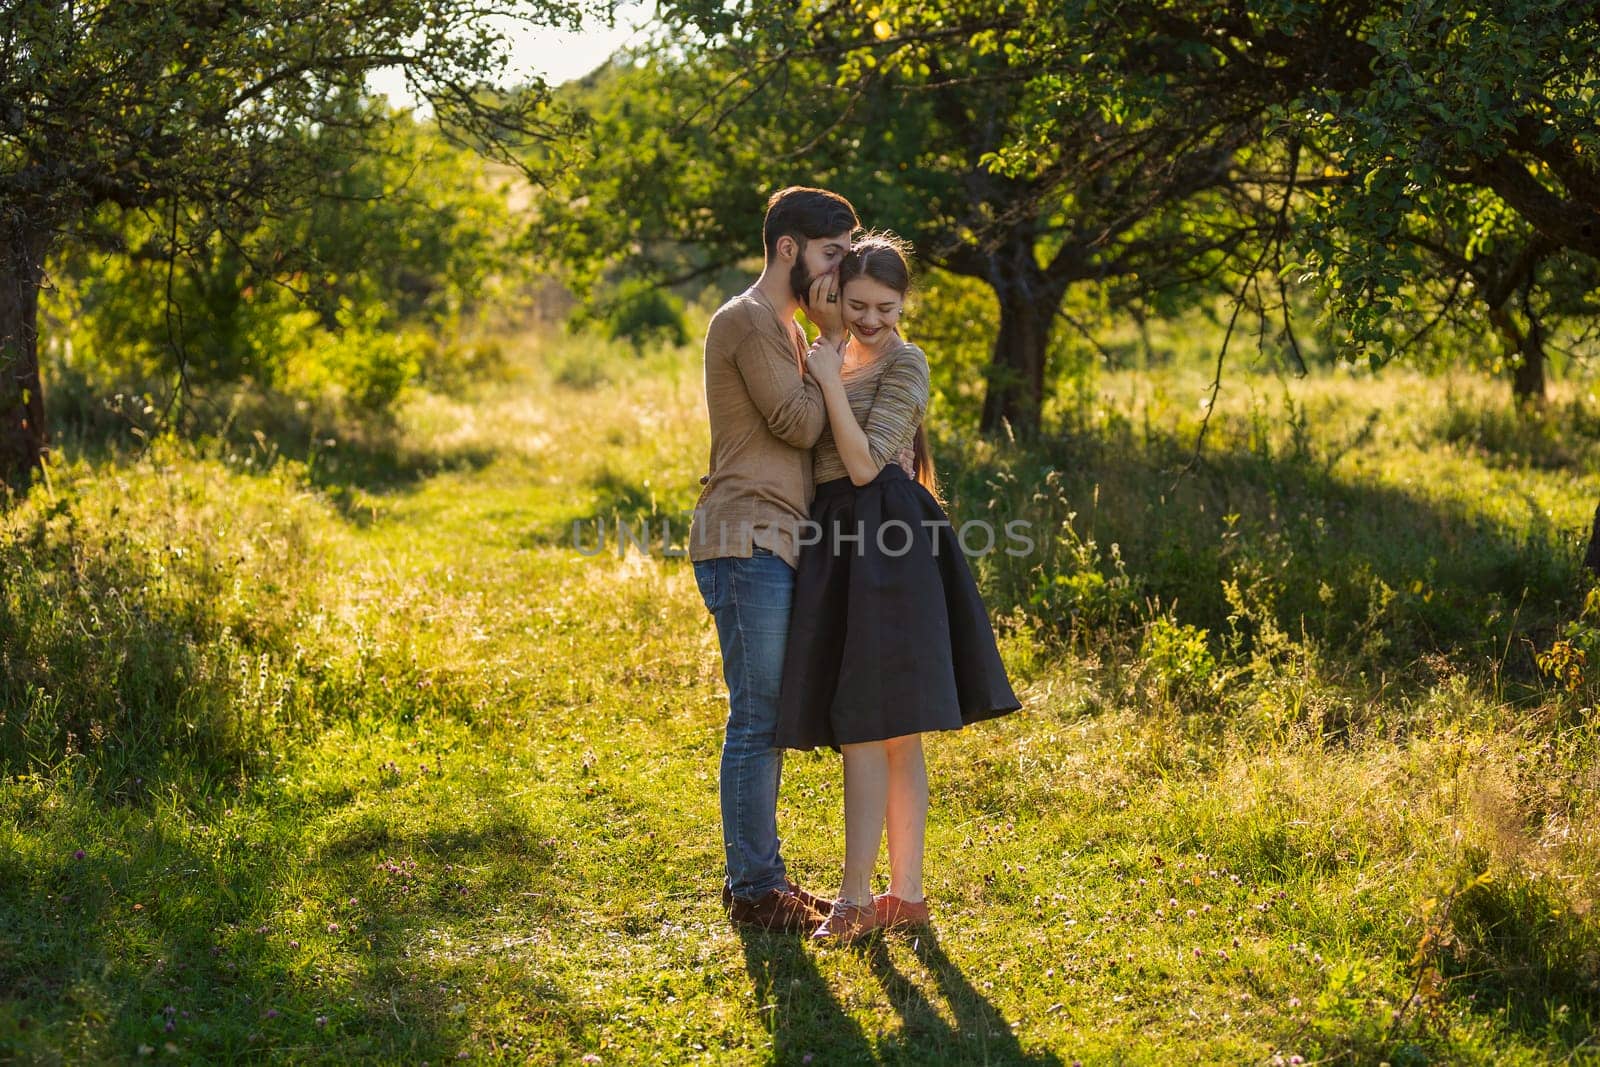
(354, 756)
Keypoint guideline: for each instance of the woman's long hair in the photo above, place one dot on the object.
(881, 256)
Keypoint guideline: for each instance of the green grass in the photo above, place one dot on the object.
(369, 764)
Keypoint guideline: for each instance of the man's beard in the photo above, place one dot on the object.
(800, 281)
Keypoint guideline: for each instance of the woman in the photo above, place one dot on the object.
(888, 637)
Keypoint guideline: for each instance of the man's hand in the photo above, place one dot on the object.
(824, 360)
(824, 307)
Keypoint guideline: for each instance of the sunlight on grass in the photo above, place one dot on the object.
(1336, 812)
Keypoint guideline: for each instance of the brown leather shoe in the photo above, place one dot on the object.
(810, 900)
(777, 909)
(846, 924)
(900, 914)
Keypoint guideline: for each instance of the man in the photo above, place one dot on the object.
(766, 414)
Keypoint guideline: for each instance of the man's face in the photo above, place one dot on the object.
(818, 256)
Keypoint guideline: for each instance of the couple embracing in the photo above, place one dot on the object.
(845, 610)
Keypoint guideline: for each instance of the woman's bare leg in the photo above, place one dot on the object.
(907, 807)
(866, 787)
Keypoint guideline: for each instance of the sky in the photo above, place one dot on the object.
(555, 54)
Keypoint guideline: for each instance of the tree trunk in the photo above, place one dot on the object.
(23, 439)
(1527, 378)
(1591, 558)
(1028, 304)
(1527, 374)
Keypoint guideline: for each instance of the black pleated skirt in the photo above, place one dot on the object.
(887, 633)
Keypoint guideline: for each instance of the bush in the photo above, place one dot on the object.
(173, 610)
(642, 313)
(363, 361)
(1180, 656)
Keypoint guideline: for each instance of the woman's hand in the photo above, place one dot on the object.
(824, 361)
(825, 308)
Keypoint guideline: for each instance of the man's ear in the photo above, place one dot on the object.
(787, 248)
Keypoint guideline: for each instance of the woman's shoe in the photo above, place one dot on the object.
(846, 924)
(896, 914)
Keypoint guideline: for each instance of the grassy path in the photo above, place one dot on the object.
(514, 857)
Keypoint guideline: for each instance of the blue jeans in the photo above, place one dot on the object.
(749, 599)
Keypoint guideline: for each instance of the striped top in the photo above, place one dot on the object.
(888, 397)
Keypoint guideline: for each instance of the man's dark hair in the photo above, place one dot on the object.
(806, 213)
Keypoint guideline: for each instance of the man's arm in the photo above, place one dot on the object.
(790, 403)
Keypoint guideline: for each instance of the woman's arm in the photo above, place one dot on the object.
(902, 400)
(848, 437)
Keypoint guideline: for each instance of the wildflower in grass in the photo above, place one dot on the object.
(294, 944)
(272, 1013)
(333, 928)
(78, 855)
(590, 1057)
(1293, 1060)
(322, 1020)
(1198, 954)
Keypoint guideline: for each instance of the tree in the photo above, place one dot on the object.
(343, 304)
(920, 128)
(1408, 112)
(1368, 117)
(190, 112)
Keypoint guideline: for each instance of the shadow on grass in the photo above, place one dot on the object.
(617, 511)
(342, 451)
(809, 1025)
(1375, 573)
(804, 1017)
(162, 935)
(979, 1034)
(1515, 945)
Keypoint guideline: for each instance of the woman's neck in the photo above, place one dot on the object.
(867, 353)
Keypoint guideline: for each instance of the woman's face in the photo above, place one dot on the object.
(871, 310)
